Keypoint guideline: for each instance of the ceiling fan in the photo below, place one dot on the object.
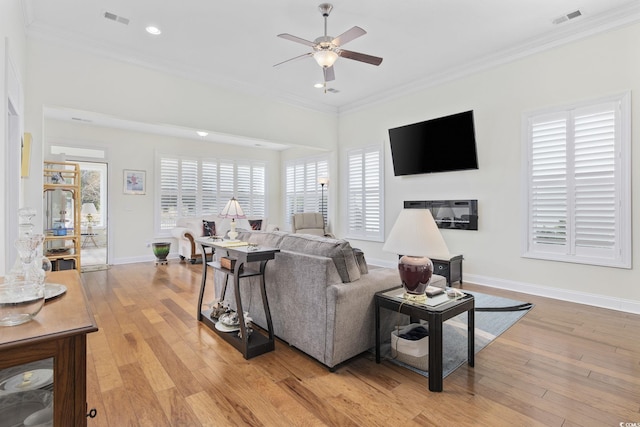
(326, 49)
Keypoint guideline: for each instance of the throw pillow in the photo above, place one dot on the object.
(208, 228)
(362, 263)
(256, 224)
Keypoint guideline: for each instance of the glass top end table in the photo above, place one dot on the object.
(435, 310)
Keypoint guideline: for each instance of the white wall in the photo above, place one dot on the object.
(62, 77)
(13, 50)
(587, 69)
(131, 217)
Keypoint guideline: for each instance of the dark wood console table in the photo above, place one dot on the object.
(392, 299)
(256, 343)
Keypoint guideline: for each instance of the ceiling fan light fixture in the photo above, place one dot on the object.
(325, 58)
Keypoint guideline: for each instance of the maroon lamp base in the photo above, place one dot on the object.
(415, 273)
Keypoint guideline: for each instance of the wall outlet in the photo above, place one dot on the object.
(148, 244)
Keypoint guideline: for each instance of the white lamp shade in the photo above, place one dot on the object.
(232, 210)
(325, 58)
(415, 233)
(88, 209)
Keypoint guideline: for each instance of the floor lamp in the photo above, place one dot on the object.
(323, 181)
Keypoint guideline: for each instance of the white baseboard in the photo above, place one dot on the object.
(145, 258)
(597, 300)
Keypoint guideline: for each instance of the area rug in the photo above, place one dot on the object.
(491, 320)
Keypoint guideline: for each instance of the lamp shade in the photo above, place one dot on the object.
(88, 209)
(232, 210)
(415, 236)
(415, 233)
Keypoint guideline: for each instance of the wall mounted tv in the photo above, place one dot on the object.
(438, 145)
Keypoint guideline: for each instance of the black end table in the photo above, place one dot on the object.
(392, 299)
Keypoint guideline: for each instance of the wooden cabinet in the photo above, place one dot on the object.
(58, 332)
(62, 204)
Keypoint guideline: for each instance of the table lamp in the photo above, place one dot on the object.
(234, 211)
(89, 210)
(414, 236)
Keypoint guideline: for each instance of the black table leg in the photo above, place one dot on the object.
(377, 331)
(471, 336)
(435, 352)
(203, 282)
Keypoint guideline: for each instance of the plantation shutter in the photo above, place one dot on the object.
(579, 184)
(595, 178)
(303, 192)
(258, 184)
(364, 216)
(209, 188)
(189, 185)
(225, 184)
(193, 187)
(549, 181)
(169, 184)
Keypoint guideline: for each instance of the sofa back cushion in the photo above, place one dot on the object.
(339, 251)
(264, 238)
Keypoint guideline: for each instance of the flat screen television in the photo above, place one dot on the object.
(438, 145)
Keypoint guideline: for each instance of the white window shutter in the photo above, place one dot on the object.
(364, 193)
(303, 192)
(578, 178)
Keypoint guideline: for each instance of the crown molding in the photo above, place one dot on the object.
(566, 33)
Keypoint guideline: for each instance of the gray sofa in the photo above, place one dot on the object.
(321, 300)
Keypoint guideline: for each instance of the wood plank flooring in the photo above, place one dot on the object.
(153, 364)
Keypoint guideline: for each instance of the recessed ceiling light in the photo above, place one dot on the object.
(318, 85)
(202, 133)
(153, 30)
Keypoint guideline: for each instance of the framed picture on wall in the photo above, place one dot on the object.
(135, 182)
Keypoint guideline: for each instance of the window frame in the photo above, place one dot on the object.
(619, 255)
(309, 197)
(362, 234)
(213, 205)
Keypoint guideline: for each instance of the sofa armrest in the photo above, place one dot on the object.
(354, 308)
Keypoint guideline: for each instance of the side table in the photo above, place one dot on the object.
(436, 315)
(450, 268)
(256, 343)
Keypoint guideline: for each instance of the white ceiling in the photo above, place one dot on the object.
(235, 43)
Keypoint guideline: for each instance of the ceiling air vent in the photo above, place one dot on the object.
(113, 17)
(567, 17)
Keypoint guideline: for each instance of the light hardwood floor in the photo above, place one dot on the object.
(153, 364)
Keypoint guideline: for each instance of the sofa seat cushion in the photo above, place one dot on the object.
(339, 251)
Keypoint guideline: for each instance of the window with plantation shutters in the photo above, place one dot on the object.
(303, 191)
(196, 187)
(364, 194)
(578, 183)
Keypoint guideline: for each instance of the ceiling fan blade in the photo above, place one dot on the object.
(348, 35)
(296, 39)
(294, 58)
(329, 74)
(362, 57)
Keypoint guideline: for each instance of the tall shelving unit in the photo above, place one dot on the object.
(62, 221)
